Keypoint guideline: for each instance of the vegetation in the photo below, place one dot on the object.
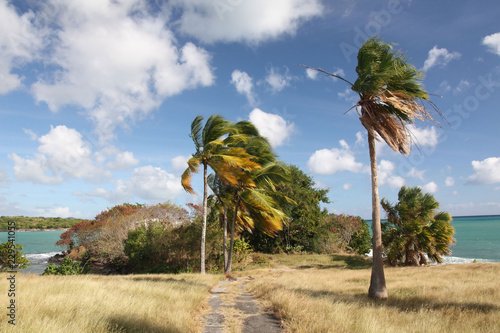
(30, 223)
(414, 230)
(67, 267)
(218, 153)
(12, 258)
(326, 294)
(391, 96)
(103, 304)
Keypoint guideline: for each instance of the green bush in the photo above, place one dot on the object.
(11, 257)
(68, 267)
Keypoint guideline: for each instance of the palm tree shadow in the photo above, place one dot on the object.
(342, 261)
(135, 325)
(406, 304)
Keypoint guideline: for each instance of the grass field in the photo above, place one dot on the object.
(94, 304)
(323, 293)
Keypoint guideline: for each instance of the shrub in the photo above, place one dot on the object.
(11, 257)
(68, 267)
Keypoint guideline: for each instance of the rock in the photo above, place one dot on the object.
(56, 259)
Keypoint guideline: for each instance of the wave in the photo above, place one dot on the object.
(40, 258)
(448, 259)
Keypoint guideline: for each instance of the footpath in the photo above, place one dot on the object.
(235, 310)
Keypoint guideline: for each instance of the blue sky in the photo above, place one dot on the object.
(97, 97)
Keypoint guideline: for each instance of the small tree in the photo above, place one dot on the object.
(414, 231)
(11, 257)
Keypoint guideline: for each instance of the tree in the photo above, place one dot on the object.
(12, 258)
(215, 148)
(391, 96)
(415, 230)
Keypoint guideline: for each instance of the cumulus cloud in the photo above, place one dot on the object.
(272, 126)
(360, 139)
(62, 154)
(244, 85)
(449, 181)
(331, 161)
(439, 57)
(431, 187)
(385, 175)
(149, 183)
(179, 163)
(493, 43)
(116, 65)
(18, 45)
(348, 95)
(486, 171)
(311, 73)
(276, 80)
(347, 186)
(252, 22)
(427, 137)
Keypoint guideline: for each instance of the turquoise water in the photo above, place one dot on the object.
(478, 238)
(39, 246)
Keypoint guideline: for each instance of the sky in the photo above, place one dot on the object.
(97, 97)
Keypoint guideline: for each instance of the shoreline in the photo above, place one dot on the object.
(36, 229)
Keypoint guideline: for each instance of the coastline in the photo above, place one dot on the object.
(36, 229)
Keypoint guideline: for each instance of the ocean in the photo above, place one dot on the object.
(477, 239)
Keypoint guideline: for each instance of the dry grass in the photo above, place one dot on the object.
(320, 297)
(93, 304)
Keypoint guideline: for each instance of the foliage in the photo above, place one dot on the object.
(12, 258)
(68, 267)
(158, 247)
(301, 230)
(414, 230)
(241, 250)
(25, 222)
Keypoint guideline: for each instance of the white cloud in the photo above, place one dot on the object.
(385, 170)
(244, 85)
(415, 173)
(123, 160)
(449, 181)
(243, 21)
(331, 161)
(431, 187)
(427, 137)
(272, 126)
(311, 73)
(347, 186)
(18, 44)
(62, 154)
(148, 183)
(360, 139)
(116, 65)
(179, 163)
(276, 80)
(486, 171)
(63, 212)
(439, 57)
(348, 95)
(31, 134)
(493, 43)
(464, 84)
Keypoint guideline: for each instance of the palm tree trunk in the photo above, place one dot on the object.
(231, 244)
(204, 221)
(224, 222)
(377, 284)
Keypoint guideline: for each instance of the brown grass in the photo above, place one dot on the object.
(321, 297)
(93, 304)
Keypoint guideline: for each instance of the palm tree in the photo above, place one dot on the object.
(414, 231)
(391, 96)
(215, 148)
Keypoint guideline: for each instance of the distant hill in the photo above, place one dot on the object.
(37, 223)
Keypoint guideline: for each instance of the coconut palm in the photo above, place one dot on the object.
(215, 148)
(391, 96)
(414, 231)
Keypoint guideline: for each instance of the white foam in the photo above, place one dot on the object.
(38, 258)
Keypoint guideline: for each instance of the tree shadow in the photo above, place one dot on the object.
(135, 325)
(406, 304)
(159, 279)
(342, 261)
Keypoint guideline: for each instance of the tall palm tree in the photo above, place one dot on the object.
(414, 231)
(215, 148)
(391, 96)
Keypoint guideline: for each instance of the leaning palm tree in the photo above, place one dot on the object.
(215, 148)
(391, 96)
(415, 231)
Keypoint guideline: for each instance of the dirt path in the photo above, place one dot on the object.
(236, 310)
